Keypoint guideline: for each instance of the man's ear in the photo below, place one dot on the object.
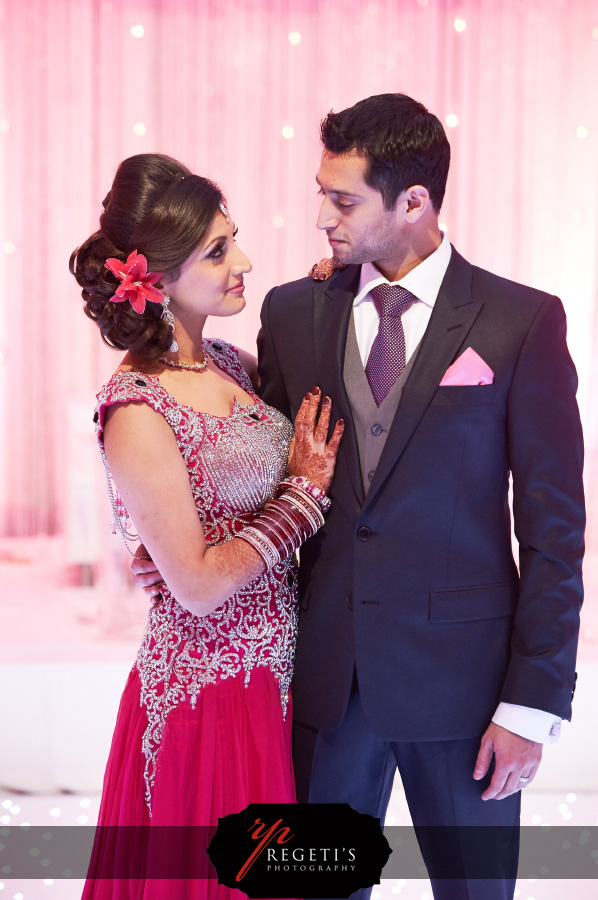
(416, 201)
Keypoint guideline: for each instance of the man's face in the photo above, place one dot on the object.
(352, 214)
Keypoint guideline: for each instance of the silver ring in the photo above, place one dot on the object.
(524, 780)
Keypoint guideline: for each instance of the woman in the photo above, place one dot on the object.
(200, 464)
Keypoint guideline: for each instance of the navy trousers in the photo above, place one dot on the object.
(351, 765)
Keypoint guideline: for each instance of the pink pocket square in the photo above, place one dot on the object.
(468, 369)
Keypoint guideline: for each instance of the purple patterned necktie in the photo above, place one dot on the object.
(387, 356)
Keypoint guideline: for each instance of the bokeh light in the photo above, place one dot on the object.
(459, 23)
(288, 132)
(4, 125)
(278, 221)
(294, 37)
(8, 247)
(137, 31)
(582, 131)
(452, 120)
(139, 129)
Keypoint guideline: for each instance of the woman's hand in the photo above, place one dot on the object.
(309, 454)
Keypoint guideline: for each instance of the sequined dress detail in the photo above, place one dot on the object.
(235, 465)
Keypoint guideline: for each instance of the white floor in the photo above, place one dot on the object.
(68, 809)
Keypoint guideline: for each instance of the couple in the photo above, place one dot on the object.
(420, 644)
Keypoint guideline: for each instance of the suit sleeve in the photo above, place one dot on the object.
(272, 389)
(545, 446)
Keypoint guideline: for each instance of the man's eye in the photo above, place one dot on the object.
(344, 205)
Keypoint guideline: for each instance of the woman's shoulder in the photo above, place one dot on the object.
(131, 388)
(237, 361)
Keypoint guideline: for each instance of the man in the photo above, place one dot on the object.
(420, 644)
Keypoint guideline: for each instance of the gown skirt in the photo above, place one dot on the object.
(232, 749)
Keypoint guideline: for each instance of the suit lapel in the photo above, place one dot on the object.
(453, 315)
(333, 301)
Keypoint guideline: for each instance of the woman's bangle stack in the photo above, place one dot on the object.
(287, 521)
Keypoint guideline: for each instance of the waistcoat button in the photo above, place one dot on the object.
(376, 429)
(364, 533)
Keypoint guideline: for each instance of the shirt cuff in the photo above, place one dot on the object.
(533, 724)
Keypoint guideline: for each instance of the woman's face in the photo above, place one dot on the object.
(210, 282)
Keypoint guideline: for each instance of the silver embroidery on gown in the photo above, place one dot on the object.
(235, 465)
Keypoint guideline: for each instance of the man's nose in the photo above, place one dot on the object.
(327, 217)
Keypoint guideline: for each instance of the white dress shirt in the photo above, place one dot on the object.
(424, 282)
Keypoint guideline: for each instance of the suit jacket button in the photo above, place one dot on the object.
(376, 429)
(371, 475)
(364, 533)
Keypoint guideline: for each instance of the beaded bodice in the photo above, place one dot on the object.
(235, 465)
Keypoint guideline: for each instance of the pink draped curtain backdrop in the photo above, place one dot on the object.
(236, 90)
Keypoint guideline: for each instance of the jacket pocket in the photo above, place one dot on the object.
(466, 604)
(464, 395)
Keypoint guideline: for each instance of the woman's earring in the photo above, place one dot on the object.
(169, 318)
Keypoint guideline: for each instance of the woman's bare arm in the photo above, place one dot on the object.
(153, 481)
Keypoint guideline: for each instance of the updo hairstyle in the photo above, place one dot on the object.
(159, 208)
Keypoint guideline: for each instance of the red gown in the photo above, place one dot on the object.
(204, 724)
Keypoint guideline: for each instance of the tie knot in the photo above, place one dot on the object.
(391, 299)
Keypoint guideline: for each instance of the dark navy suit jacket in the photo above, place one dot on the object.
(415, 585)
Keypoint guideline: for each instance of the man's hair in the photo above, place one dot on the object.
(403, 144)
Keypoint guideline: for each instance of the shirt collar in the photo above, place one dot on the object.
(423, 281)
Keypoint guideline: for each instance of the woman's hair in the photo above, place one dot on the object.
(159, 208)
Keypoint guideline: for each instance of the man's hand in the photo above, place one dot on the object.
(146, 574)
(516, 757)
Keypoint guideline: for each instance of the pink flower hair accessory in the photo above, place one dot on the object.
(137, 283)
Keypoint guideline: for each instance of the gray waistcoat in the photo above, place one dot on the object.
(372, 423)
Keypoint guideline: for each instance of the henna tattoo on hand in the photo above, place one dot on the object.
(238, 561)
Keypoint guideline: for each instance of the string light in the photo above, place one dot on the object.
(452, 120)
(278, 221)
(288, 132)
(582, 132)
(294, 37)
(137, 31)
(55, 812)
(459, 23)
(139, 129)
